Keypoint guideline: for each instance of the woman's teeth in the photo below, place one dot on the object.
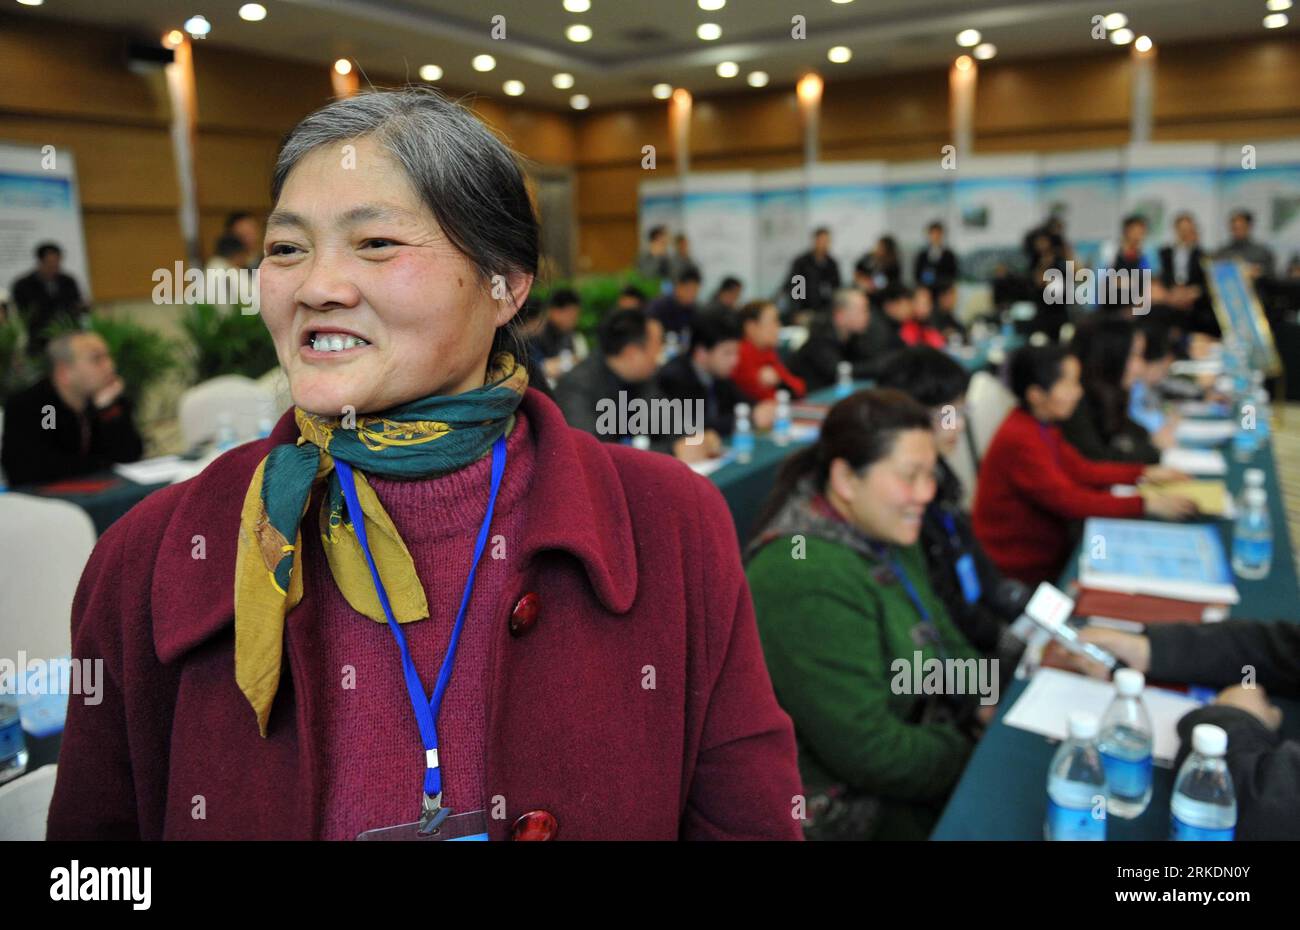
(335, 342)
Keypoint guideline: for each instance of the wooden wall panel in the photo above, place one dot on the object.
(125, 248)
(117, 166)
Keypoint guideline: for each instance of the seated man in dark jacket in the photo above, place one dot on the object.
(676, 309)
(1265, 768)
(837, 338)
(981, 601)
(704, 373)
(74, 422)
(614, 395)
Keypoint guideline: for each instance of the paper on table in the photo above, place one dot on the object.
(709, 466)
(1206, 432)
(1054, 694)
(1195, 461)
(153, 471)
(1210, 496)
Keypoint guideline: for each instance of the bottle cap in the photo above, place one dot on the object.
(641, 442)
(742, 410)
(1256, 497)
(783, 397)
(1209, 740)
(1084, 726)
(844, 368)
(1254, 477)
(1130, 682)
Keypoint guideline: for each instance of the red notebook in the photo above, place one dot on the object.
(1145, 608)
(78, 486)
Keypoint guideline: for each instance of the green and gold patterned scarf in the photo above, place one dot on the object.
(430, 436)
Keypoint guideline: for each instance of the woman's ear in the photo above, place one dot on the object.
(842, 480)
(509, 304)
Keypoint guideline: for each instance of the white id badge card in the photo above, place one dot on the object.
(470, 826)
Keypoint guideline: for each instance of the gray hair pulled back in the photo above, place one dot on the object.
(469, 179)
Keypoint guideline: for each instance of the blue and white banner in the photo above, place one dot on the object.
(39, 203)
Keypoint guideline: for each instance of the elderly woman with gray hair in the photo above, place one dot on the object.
(423, 608)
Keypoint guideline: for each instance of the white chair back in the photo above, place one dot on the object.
(987, 404)
(277, 383)
(44, 545)
(25, 804)
(205, 407)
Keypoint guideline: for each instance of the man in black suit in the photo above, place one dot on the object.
(840, 337)
(936, 265)
(820, 275)
(75, 422)
(1184, 279)
(46, 296)
(705, 372)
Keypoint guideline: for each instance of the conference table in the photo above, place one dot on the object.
(104, 496)
(1002, 795)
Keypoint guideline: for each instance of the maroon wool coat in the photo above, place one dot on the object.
(635, 561)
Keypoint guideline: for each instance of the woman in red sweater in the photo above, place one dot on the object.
(760, 373)
(421, 522)
(1032, 483)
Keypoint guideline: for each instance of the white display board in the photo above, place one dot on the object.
(720, 217)
(39, 203)
(783, 230)
(988, 204)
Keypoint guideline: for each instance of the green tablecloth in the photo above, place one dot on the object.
(1003, 793)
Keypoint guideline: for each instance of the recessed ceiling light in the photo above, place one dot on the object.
(662, 91)
(562, 81)
(757, 79)
(728, 69)
(963, 63)
(839, 54)
(1143, 44)
(708, 31)
(578, 33)
(709, 6)
(841, 1)
(985, 50)
(968, 37)
(1122, 36)
(579, 101)
(1277, 6)
(430, 73)
(1115, 21)
(483, 63)
(513, 88)
(343, 66)
(577, 6)
(173, 38)
(197, 26)
(31, 2)
(1275, 20)
(252, 12)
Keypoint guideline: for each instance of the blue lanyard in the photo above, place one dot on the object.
(920, 607)
(426, 712)
(951, 527)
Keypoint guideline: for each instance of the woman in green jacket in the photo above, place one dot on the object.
(884, 691)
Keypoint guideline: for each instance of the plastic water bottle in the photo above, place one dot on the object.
(781, 424)
(1125, 746)
(13, 746)
(641, 441)
(672, 345)
(1245, 441)
(1252, 538)
(843, 379)
(742, 438)
(1075, 783)
(1263, 417)
(1251, 478)
(1204, 805)
(225, 432)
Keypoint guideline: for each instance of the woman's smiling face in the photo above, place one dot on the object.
(369, 303)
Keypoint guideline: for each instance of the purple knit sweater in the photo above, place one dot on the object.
(374, 760)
